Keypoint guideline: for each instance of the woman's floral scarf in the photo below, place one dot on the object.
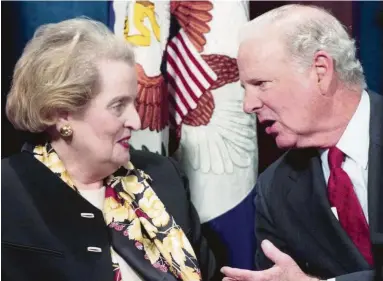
(132, 207)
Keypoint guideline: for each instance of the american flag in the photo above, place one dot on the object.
(189, 76)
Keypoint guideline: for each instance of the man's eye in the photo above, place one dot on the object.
(262, 84)
(259, 83)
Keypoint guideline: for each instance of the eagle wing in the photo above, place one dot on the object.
(152, 100)
(193, 17)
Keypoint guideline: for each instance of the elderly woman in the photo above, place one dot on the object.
(82, 205)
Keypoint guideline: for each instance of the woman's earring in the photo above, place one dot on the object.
(66, 131)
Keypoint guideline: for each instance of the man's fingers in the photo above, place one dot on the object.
(228, 279)
(274, 254)
(284, 268)
(239, 274)
(235, 274)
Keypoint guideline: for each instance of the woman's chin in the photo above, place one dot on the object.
(122, 158)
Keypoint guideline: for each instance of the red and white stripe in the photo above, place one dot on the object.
(189, 76)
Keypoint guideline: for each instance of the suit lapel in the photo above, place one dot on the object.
(308, 198)
(375, 206)
(375, 186)
(375, 168)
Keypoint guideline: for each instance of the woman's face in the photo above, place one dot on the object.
(102, 131)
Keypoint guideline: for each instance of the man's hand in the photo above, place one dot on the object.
(284, 269)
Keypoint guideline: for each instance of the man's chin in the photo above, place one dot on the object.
(285, 142)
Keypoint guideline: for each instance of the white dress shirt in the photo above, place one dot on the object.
(354, 143)
(97, 198)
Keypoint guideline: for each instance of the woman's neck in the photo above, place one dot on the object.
(85, 174)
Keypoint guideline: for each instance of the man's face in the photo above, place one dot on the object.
(285, 98)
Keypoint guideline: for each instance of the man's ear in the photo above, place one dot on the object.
(323, 65)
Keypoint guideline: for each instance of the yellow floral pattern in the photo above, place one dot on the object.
(132, 207)
(50, 158)
(154, 208)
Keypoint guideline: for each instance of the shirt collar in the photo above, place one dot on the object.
(356, 138)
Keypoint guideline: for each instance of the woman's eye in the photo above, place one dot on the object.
(118, 107)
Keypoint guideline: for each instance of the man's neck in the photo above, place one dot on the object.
(334, 122)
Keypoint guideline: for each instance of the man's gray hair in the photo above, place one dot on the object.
(306, 30)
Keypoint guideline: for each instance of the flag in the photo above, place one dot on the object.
(216, 141)
(189, 76)
(145, 25)
(190, 104)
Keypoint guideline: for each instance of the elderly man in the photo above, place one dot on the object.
(319, 214)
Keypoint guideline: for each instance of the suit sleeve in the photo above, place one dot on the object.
(367, 275)
(204, 254)
(264, 228)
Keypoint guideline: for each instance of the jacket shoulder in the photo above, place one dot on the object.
(266, 178)
(14, 164)
(294, 160)
(165, 172)
(146, 159)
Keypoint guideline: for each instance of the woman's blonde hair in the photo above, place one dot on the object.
(57, 71)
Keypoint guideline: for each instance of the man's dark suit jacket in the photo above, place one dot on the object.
(293, 212)
(45, 238)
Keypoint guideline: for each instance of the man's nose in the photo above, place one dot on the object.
(252, 104)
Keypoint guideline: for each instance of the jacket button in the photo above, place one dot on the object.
(94, 249)
(87, 215)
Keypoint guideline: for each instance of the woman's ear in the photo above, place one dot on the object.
(62, 125)
(61, 118)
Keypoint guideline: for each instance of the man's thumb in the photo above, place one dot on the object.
(273, 253)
